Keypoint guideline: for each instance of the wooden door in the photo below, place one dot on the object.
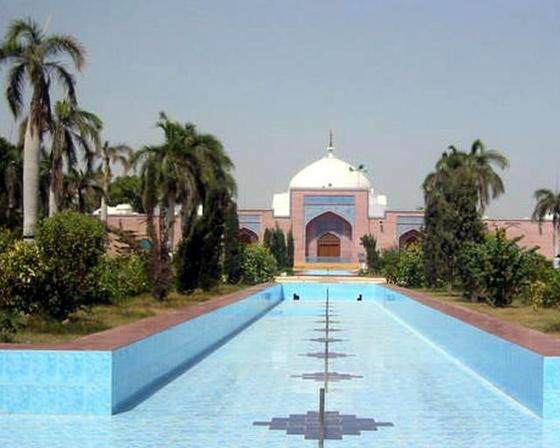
(328, 245)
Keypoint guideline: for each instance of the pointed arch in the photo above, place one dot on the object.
(409, 237)
(247, 236)
(328, 238)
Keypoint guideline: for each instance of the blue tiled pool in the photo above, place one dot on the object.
(396, 376)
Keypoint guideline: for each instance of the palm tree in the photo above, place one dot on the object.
(548, 205)
(82, 186)
(482, 162)
(171, 173)
(73, 129)
(111, 155)
(33, 57)
(178, 172)
(168, 172)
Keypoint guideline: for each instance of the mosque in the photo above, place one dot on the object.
(330, 204)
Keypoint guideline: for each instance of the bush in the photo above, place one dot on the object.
(23, 278)
(500, 267)
(410, 268)
(7, 239)
(121, 277)
(72, 244)
(390, 264)
(258, 264)
(542, 287)
(471, 269)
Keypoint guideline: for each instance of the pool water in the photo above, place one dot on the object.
(431, 400)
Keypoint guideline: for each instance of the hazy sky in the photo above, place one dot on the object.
(397, 81)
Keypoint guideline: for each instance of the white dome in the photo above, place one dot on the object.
(330, 172)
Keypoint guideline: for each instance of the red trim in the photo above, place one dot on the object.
(127, 334)
(533, 340)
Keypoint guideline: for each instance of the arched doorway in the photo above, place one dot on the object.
(247, 236)
(328, 245)
(328, 239)
(410, 237)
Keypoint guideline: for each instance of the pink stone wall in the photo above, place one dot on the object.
(529, 230)
(384, 229)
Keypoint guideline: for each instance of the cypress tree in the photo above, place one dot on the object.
(232, 246)
(290, 249)
(198, 261)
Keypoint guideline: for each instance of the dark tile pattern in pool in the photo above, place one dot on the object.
(323, 340)
(329, 355)
(331, 376)
(336, 425)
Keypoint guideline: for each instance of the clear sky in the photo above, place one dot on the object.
(397, 81)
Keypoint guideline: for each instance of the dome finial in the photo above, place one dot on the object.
(330, 148)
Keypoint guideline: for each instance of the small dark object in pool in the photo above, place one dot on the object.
(296, 296)
(359, 298)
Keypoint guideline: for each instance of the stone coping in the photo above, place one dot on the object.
(329, 279)
(123, 335)
(533, 340)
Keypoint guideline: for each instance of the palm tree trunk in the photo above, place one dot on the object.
(104, 214)
(53, 206)
(170, 223)
(31, 159)
(555, 223)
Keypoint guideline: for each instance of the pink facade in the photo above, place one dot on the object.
(391, 230)
(329, 206)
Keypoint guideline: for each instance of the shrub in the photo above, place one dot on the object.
(390, 264)
(7, 239)
(23, 278)
(542, 287)
(471, 269)
(258, 264)
(503, 268)
(73, 244)
(8, 328)
(410, 268)
(121, 277)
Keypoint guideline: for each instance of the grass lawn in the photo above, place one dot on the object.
(546, 320)
(37, 329)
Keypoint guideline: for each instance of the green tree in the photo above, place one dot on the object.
(201, 254)
(168, 172)
(372, 254)
(500, 268)
(275, 240)
(126, 189)
(455, 196)
(233, 249)
(33, 57)
(82, 189)
(548, 206)
(111, 155)
(290, 249)
(74, 130)
(488, 182)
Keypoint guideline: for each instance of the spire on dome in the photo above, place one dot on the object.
(330, 148)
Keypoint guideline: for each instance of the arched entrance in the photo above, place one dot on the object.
(408, 238)
(328, 239)
(328, 245)
(247, 236)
